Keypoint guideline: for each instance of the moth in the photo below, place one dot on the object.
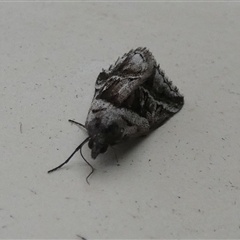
(132, 98)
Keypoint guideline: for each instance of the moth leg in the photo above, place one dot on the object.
(77, 123)
(114, 154)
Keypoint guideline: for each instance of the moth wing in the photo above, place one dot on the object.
(159, 99)
(121, 80)
(136, 83)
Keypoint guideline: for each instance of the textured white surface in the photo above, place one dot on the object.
(183, 181)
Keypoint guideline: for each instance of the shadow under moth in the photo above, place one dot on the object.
(132, 98)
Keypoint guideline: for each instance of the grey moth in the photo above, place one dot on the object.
(132, 98)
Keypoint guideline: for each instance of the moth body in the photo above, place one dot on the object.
(132, 98)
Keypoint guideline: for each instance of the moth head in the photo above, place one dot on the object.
(102, 135)
(97, 147)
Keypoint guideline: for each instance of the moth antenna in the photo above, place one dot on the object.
(79, 147)
(77, 123)
(87, 164)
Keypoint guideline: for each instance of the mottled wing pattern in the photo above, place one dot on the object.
(121, 79)
(137, 83)
(158, 99)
